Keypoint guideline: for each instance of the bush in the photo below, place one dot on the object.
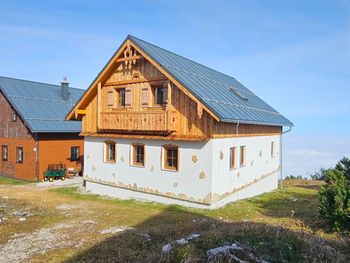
(293, 177)
(334, 199)
(320, 175)
(344, 166)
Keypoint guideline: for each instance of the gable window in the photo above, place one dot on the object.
(272, 149)
(4, 152)
(121, 97)
(74, 153)
(110, 152)
(110, 98)
(144, 96)
(243, 155)
(159, 96)
(138, 157)
(233, 158)
(171, 158)
(19, 154)
(14, 117)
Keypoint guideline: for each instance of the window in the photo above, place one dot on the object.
(159, 96)
(110, 98)
(138, 155)
(74, 153)
(121, 96)
(110, 155)
(171, 158)
(272, 149)
(4, 152)
(242, 160)
(14, 117)
(19, 154)
(144, 96)
(233, 158)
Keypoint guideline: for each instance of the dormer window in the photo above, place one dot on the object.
(14, 117)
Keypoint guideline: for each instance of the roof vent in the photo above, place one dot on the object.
(238, 93)
(64, 88)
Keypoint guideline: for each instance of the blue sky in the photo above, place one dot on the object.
(293, 54)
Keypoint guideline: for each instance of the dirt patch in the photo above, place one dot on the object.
(21, 247)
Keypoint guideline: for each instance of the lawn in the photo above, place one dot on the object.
(11, 181)
(68, 225)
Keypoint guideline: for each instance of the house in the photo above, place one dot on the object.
(160, 127)
(33, 129)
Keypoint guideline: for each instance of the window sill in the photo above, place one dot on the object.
(137, 165)
(110, 162)
(170, 170)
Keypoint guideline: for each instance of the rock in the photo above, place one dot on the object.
(114, 230)
(182, 241)
(166, 249)
(21, 214)
(235, 252)
(146, 236)
(22, 219)
(192, 237)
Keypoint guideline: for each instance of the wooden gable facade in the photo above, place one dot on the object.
(135, 97)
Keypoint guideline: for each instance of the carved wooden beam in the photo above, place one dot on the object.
(132, 58)
(133, 81)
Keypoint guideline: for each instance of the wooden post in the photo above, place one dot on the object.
(99, 104)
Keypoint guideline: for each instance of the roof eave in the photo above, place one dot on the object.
(257, 123)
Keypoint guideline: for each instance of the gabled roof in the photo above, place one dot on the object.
(40, 105)
(226, 99)
(224, 95)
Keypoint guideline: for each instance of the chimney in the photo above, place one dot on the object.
(64, 88)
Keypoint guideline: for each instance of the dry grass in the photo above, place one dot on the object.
(282, 226)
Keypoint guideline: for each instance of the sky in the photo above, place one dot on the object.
(294, 54)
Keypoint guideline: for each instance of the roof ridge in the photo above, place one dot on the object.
(131, 36)
(39, 82)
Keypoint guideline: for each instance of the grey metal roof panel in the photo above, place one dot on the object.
(213, 88)
(41, 106)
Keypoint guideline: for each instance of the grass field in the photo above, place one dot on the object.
(67, 225)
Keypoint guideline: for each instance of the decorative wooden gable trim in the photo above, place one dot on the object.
(129, 58)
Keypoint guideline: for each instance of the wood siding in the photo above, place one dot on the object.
(55, 149)
(13, 135)
(179, 118)
(9, 128)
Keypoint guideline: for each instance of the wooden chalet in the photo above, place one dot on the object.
(161, 127)
(33, 129)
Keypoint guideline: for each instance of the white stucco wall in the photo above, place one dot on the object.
(258, 175)
(196, 184)
(183, 184)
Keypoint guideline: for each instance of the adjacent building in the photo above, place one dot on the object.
(33, 129)
(160, 127)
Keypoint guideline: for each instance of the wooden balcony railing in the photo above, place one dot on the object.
(137, 121)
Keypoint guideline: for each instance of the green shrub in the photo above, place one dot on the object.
(293, 177)
(320, 175)
(344, 166)
(334, 199)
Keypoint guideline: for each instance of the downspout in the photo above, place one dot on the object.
(281, 173)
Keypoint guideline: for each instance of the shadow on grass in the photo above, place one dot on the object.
(301, 203)
(271, 243)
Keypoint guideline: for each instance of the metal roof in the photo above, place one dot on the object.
(40, 105)
(223, 95)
